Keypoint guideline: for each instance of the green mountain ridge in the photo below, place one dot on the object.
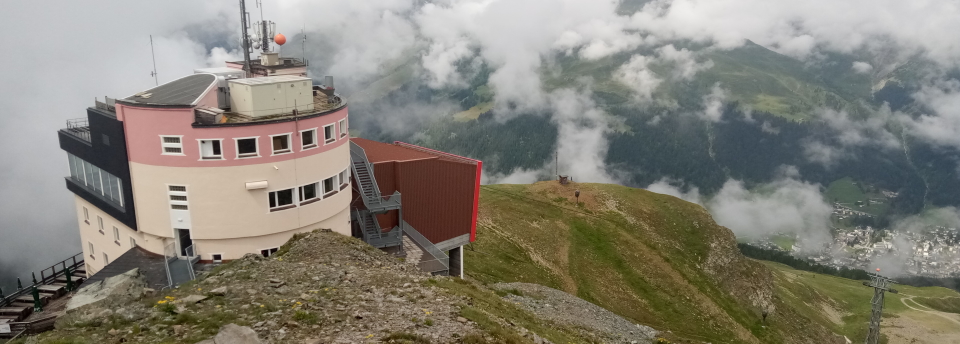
(664, 263)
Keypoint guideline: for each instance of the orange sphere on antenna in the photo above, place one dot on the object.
(878, 269)
(280, 39)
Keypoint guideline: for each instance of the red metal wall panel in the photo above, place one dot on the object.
(438, 197)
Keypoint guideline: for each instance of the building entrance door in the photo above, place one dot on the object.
(185, 243)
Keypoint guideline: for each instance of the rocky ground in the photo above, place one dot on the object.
(321, 288)
(569, 310)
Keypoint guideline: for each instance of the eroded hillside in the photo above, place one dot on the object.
(653, 258)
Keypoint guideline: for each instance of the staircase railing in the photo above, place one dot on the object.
(427, 246)
(47, 276)
(190, 252)
(359, 155)
(169, 253)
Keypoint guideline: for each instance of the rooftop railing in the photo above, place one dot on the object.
(79, 127)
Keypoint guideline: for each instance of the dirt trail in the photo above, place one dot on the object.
(949, 316)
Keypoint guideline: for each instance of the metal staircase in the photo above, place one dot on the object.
(373, 200)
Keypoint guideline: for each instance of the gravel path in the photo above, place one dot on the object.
(569, 310)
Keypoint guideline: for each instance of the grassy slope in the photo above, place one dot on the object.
(655, 259)
(650, 257)
(843, 305)
(847, 192)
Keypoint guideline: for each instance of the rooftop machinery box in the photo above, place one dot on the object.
(272, 95)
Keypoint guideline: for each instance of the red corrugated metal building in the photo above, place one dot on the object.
(440, 193)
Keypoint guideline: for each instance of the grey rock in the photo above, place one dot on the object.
(149, 292)
(219, 291)
(235, 334)
(129, 284)
(193, 299)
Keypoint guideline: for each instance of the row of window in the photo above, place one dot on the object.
(306, 194)
(248, 147)
(96, 180)
(102, 229)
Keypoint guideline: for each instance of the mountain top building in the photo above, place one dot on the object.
(236, 160)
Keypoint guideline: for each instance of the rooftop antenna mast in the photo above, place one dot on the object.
(154, 56)
(264, 31)
(880, 285)
(303, 43)
(244, 37)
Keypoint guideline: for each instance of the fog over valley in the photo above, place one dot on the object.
(756, 110)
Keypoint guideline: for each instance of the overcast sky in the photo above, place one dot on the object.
(59, 55)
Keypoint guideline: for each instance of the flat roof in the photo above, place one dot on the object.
(266, 80)
(181, 92)
(383, 152)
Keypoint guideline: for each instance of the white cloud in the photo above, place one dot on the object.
(713, 104)
(862, 67)
(941, 126)
(684, 61)
(636, 74)
(786, 205)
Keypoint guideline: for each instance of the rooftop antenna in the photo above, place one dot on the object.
(880, 285)
(303, 43)
(244, 37)
(154, 56)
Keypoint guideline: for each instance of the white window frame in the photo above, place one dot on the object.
(100, 223)
(215, 260)
(86, 215)
(344, 177)
(318, 191)
(236, 142)
(106, 259)
(164, 145)
(335, 187)
(270, 251)
(279, 207)
(93, 252)
(212, 158)
(273, 150)
(342, 124)
(315, 140)
(116, 235)
(133, 242)
(333, 130)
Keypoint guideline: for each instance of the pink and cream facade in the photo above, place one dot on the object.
(211, 165)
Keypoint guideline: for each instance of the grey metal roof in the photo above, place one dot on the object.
(151, 266)
(181, 92)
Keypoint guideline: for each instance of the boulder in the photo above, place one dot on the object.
(193, 299)
(219, 291)
(235, 334)
(130, 284)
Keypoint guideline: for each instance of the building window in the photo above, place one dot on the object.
(281, 144)
(116, 235)
(172, 145)
(344, 178)
(100, 222)
(328, 135)
(96, 181)
(281, 199)
(133, 242)
(308, 139)
(343, 128)
(211, 150)
(86, 215)
(330, 186)
(268, 252)
(106, 139)
(247, 148)
(178, 188)
(179, 207)
(217, 258)
(178, 198)
(106, 260)
(308, 194)
(92, 252)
